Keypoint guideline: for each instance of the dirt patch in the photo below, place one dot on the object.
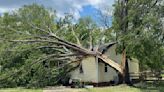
(61, 89)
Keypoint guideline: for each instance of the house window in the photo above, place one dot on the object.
(106, 68)
(81, 69)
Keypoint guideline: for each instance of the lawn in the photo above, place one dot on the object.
(20, 90)
(162, 75)
(119, 88)
(125, 88)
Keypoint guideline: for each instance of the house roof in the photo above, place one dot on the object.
(103, 48)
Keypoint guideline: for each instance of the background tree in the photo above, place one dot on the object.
(138, 28)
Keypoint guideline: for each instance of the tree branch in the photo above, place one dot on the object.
(90, 40)
(74, 34)
(111, 63)
(74, 46)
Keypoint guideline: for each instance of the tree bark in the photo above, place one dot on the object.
(124, 77)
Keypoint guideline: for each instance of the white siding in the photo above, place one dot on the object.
(111, 53)
(134, 68)
(106, 76)
(111, 75)
(90, 73)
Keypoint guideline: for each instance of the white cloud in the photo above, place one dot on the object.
(3, 10)
(61, 6)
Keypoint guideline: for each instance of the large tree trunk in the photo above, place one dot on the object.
(127, 75)
(124, 77)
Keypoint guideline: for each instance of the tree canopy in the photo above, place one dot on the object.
(143, 36)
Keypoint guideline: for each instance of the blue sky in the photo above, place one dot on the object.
(78, 8)
(93, 12)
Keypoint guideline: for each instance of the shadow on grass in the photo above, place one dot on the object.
(150, 86)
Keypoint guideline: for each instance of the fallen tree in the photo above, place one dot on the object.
(25, 31)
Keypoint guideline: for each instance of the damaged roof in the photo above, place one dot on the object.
(103, 48)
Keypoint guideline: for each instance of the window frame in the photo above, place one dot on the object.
(81, 71)
(106, 68)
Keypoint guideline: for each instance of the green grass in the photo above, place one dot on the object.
(162, 75)
(121, 88)
(148, 87)
(20, 90)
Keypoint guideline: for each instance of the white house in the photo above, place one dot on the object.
(96, 71)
